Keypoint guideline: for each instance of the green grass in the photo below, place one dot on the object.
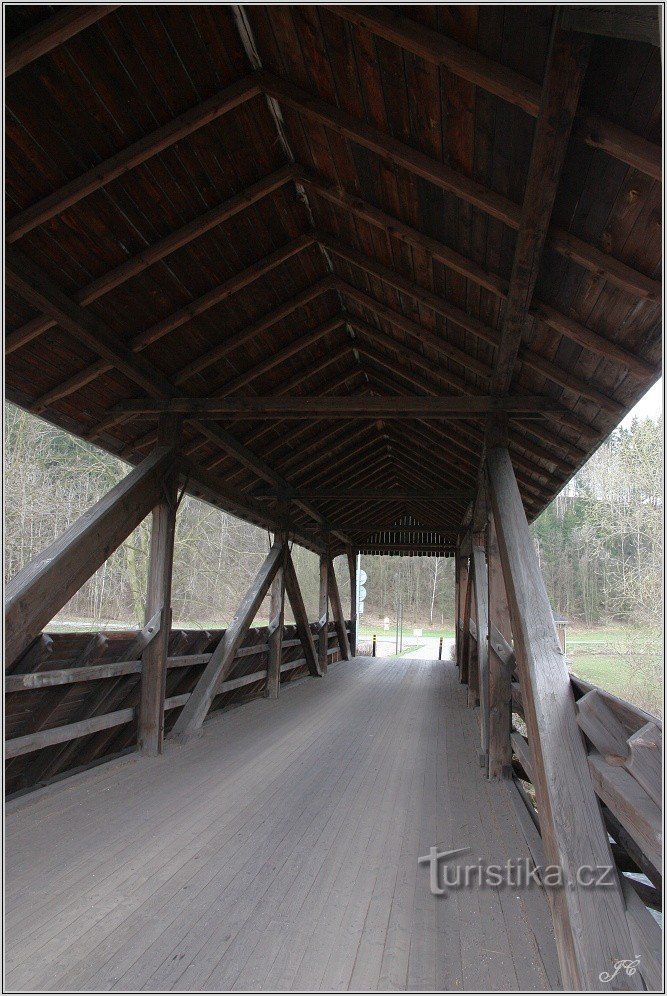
(626, 661)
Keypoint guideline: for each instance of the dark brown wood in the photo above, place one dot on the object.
(37, 289)
(590, 924)
(635, 22)
(159, 250)
(342, 407)
(194, 712)
(158, 599)
(293, 592)
(47, 583)
(500, 671)
(162, 138)
(621, 144)
(560, 96)
(47, 35)
(448, 179)
(338, 614)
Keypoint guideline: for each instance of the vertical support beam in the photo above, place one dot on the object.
(482, 617)
(352, 556)
(465, 628)
(323, 620)
(473, 643)
(158, 599)
(590, 924)
(276, 626)
(500, 674)
(339, 617)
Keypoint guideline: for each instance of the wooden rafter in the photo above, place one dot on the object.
(139, 152)
(51, 33)
(560, 97)
(158, 251)
(473, 66)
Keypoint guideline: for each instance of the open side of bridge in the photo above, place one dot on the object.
(379, 280)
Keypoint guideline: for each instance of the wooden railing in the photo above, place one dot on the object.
(624, 749)
(71, 699)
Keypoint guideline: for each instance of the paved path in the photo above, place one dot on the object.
(279, 852)
(428, 648)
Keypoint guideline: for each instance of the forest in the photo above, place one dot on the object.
(599, 542)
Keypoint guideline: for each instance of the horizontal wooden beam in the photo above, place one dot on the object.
(49, 34)
(157, 141)
(364, 495)
(633, 22)
(343, 407)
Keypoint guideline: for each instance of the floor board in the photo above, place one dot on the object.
(279, 851)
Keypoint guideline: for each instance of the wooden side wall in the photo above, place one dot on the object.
(31, 711)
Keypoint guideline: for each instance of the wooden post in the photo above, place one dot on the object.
(473, 642)
(482, 618)
(462, 573)
(154, 660)
(465, 628)
(323, 620)
(354, 581)
(276, 625)
(500, 673)
(590, 924)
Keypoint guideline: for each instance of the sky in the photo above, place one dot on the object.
(649, 406)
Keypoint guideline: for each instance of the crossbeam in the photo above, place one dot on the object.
(49, 34)
(343, 407)
(386, 494)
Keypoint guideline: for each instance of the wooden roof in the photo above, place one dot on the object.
(244, 202)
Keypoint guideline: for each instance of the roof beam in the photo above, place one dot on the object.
(603, 265)
(185, 314)
(152, 254)
(342, 407)
(565, 73)
(383, 144)
(633, 22)
(49, 34)
(495, 78)
(386, 494)
(38, 290)
(125, 160)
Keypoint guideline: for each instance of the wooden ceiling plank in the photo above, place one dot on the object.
(150, 145)
(564, 77)
(179, 318)
(384, 145)
(159, 250)
(49, 34)
(474, 66)
(603, 265)
(37, 288)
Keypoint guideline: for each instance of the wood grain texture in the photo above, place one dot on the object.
(280, 852)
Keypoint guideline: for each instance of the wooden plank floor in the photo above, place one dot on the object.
(280, 851)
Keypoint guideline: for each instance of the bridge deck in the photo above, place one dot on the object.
(280, 851)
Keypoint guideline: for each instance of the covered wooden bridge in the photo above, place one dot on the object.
(376, 279)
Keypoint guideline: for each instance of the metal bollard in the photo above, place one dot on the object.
(374, 645)
(440, 650)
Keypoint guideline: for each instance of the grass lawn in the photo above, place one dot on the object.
(627, 661)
